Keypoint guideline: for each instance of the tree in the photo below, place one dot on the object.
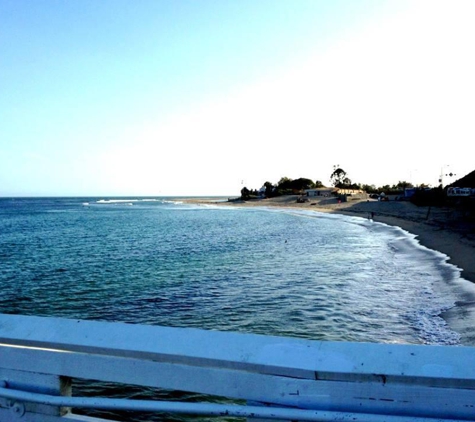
(301, 184)
(269, 189)
(403, 185)
(370, 188)
(319, 184)
(339, 177)
(245, 193)
(284, 181)
(284, 186)
(288, 186)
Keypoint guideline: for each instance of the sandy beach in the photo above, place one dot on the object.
(437, 228)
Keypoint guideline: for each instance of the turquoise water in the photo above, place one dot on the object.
(280, 272)
(159, 261)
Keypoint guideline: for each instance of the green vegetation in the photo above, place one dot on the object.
(396, 189)
(339, 179)
(289, 186)
(423, 196)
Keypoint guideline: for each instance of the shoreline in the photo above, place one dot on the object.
(436, 228)
(439, 229)
(458, 246)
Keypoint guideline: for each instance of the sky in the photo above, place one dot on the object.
(204, 97)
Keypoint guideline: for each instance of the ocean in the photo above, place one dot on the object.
(281, 272)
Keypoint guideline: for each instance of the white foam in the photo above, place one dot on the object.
(172, 202)
(115, 201)
(126, 201)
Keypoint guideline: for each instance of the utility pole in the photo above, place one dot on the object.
(441, 178)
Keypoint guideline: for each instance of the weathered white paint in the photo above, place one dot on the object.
(406, 381)
(33, 381)
(236, 350)
(209, 409)
(7, 415)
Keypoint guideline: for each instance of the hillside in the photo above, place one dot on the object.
(467, 181)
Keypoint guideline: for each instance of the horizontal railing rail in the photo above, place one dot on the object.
(208, 409)
(290, 379)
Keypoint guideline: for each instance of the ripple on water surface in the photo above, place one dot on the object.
(265, 271)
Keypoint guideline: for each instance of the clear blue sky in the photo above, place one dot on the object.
(174, 97)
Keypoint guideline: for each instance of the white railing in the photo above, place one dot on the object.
(284, 378)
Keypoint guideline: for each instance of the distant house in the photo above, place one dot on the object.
(322, 192)
(341, 191)
(455, 191)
